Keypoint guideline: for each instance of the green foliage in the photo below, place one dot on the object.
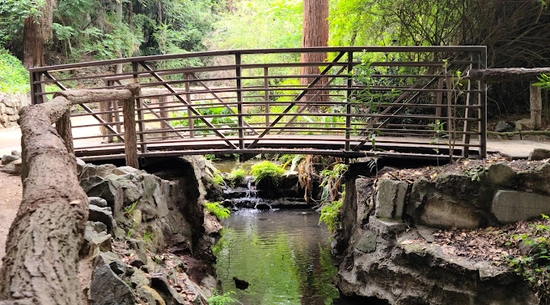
(227, 298)
(218, 178)
(534, 265)
(266, 170)
(438, 127)
(544, 81)
(330, 214)
(276, 23)
(128, 210)
(216, 209)
(148, 237)
(293, 160)
(475, 173)
(14, 78)
(330, 181)
(216, 115)
(91, 28)
(12, 15)
(236, 176)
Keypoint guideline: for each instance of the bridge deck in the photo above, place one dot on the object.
(414, 148)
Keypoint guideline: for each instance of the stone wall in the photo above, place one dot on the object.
(387, 224)
(10, 104)
(147, 239)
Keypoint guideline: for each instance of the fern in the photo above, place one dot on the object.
(216, 209)
(330, 215)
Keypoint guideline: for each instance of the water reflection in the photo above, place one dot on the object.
(284, 255)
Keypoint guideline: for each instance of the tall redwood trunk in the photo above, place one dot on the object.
(37, 31)
(314, 34)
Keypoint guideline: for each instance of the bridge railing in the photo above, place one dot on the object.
(352, 101)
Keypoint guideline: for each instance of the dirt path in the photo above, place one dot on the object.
(10, 197)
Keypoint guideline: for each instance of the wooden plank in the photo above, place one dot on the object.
(535, 102)
(506, 74)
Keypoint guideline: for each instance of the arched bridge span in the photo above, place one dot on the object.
(360, 101)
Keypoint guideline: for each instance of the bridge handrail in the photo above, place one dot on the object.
(333, 101)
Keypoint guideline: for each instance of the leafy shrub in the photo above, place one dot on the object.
(236, 176)
(331, 181)
(266, 170)
(534, 264)
(14, 78)
(216, 209)
(218, 179)
(223, 299)
(330, 215)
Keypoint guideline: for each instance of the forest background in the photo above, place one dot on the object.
(516, 32)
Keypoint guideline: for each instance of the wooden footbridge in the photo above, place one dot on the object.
(407, 102)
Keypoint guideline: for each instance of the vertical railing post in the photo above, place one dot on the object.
(238, 74)
(139, 106)
(129, 122)
(37, 88)
(467, 125)
(190, 123)
(348, 102)
(130, 138)
(482, 86)
(266, 95)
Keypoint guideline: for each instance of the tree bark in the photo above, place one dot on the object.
(37, 31)
(314, 34)
(41, 262)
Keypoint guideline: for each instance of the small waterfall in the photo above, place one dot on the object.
(245, 195)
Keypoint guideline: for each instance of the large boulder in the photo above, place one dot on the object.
(108, 288)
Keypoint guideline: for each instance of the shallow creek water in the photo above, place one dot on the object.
(283, 255)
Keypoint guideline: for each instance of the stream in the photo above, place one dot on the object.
(284, 256)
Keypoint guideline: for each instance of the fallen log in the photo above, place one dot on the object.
(41, 262)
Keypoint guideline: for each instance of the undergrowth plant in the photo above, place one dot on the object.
(14, 78)
(216, 209)
(218, 178)
(227, 298)
(534, 263)
(236, 177)
(331, 181)
(267, 170)
(438, 127)
(330, 214)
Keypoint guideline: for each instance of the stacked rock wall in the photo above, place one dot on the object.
(389, 255)
(10, 104)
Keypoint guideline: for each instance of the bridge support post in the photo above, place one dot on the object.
(535, 103)
(130, 137)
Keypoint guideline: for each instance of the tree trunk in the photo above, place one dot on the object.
(33, 46)
(37, 32)
(41, 262)
(314, 34)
